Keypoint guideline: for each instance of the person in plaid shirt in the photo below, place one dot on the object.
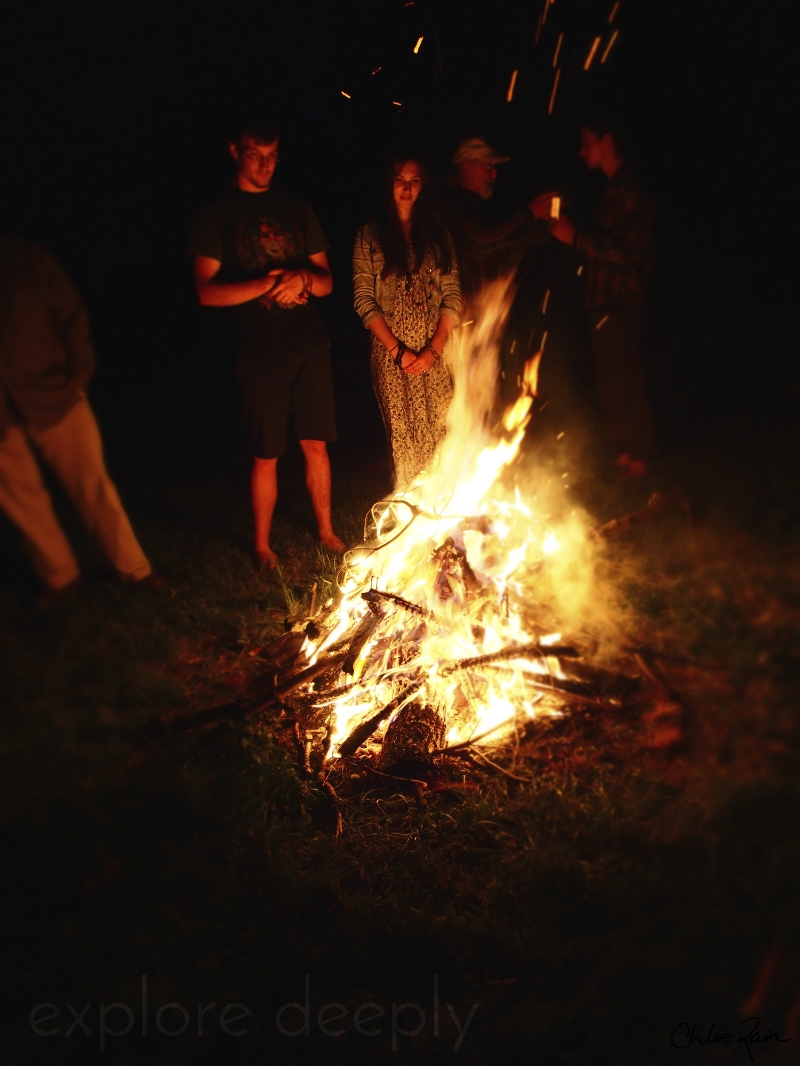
(618, 252)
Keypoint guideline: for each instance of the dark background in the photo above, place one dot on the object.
(114, 121)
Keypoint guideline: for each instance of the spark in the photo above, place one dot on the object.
(602, 322)
(538, 30)
(558, 49)
(418, 45)
(613, 12)
(349, 97)
(512, 83)
(609, 46)
(544, 13)
(592, 50)
(544, 341)
(375, 71)
(580, 270)
(544, 302)
(553, 93)
(561, 435)
(397, 103)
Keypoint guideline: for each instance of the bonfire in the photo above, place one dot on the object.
(441, 637)
(469, 619)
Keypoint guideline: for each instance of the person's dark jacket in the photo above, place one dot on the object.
(488, 247)
(619, 250)
(46, 354)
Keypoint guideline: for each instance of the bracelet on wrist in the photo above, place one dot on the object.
(398, 358)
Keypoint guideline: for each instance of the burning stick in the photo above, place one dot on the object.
(364, 731)
(656, 505)
(309, 674)
(392, 597)
(368, 626)
(521, 652)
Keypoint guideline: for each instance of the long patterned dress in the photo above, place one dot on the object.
(414, 407)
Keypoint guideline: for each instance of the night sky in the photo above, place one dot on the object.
(114, 120)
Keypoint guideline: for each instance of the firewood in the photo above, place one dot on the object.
(364, 731)
(656, 505)
(523, 651)
(399, 601)
(412, 738)
(307, 675)
(368, 626)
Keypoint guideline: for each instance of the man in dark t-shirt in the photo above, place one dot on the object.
(261, 251)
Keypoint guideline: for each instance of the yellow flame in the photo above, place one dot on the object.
(463, 545)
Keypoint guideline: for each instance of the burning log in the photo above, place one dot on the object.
(411, 739)
(364, 731)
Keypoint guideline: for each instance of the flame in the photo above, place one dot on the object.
(450, 567)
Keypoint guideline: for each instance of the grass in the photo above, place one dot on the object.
(622, 892)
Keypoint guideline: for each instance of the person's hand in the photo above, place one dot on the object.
(421, 363)
(289, 290)
(542, 205)
(563, 230)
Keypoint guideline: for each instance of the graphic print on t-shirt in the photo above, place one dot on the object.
(264, 243)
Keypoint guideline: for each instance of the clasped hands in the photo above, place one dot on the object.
(287, 289)
(417, 363)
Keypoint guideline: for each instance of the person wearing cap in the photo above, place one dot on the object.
(487, 246)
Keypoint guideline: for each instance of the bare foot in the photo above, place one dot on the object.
(266, 559)
(332, 543)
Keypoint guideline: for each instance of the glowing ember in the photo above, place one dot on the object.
(592, 52)
(438, 609)
(511, 85)
(609, 46)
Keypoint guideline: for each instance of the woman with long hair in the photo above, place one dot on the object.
(408, 295)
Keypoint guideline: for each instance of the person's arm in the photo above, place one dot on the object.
(520, 231)
(69, 318)
(365, 271)
(294, 286)
(213, 293)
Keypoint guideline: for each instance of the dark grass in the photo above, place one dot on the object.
(588, 914)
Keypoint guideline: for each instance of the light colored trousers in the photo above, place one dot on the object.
(74, 451)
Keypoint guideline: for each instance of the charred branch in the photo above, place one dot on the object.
(523, 651)
(363, 732)
(656, 505)
(368, 626)
(375, 594)
(304, 677)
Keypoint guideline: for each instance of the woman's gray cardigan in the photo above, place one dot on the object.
(375, 296)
